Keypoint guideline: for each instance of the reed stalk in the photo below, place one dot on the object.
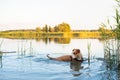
(88, 47)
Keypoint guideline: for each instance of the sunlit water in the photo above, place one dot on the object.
(30, 61)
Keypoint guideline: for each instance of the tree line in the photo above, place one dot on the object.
(63, 27)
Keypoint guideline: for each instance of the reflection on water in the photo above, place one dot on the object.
(76, 66)
(56, 40)
(30, 61)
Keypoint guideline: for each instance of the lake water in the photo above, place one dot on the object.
(30, 61)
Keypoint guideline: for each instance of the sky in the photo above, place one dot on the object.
(79, 14)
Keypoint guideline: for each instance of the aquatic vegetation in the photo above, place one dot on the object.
(88, 47)
(112, 46)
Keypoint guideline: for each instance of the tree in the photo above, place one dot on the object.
(55, 29)
(38, 29)
(50, 29)
(46, 28)
(64, 27)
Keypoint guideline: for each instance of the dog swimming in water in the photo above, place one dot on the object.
(75, 60)
(76, 55)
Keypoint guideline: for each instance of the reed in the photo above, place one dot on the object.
(1, 44)
(112, 53)
(31, 49)
(112, 46)
(88, 47)
(1, 54)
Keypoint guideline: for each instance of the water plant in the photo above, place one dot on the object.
(1, 54)
(112, 45)
(88, 47)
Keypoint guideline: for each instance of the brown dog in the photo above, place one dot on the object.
(76, 55)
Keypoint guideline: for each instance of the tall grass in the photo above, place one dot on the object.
(112, 53)
(112, 46)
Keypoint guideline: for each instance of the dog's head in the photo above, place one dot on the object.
(76, 54)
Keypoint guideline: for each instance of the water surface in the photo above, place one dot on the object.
(30, 61)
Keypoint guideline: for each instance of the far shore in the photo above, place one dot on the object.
(28, 34)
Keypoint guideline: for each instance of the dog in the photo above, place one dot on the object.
(75, 61)
(76, 55)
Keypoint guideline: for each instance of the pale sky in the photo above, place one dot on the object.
(80, 14)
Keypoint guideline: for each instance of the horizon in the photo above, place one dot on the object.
(79, 14)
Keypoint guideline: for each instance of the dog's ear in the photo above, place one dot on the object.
(78, 50)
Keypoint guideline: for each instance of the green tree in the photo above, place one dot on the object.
(38, 29)
(50, 29)
(55, 29)
(46, 28)
(64, 27)
(43, 29)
